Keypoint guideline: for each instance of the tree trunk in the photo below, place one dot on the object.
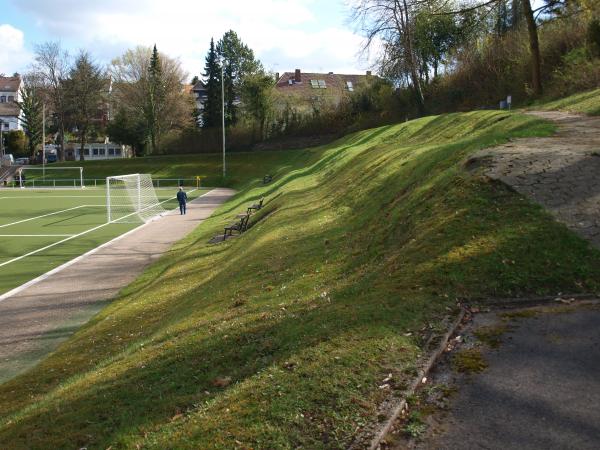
(83, 134)
(416, 81)
(534, 47)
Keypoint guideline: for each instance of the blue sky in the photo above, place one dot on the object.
(313, 35)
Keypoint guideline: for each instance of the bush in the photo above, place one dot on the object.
(16, 143)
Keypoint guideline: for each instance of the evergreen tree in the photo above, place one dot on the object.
(156, 97)
(31, 110)
(239, 63)
(211, 116)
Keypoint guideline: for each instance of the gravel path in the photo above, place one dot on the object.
(36, 320)
(561, 172)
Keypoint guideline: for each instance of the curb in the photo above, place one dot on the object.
(384, 429)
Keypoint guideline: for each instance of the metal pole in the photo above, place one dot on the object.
(223, 115)
(1, 140)
(108, 198)
(43, 140)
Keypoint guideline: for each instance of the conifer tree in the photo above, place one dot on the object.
(211, 116)
(156, 97)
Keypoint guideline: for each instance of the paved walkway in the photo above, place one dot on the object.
(561, 172)
(36, 320)
(540, 391)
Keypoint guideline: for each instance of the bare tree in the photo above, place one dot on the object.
(134, 90)
(391, 22)
(86, 88)
(52, 64)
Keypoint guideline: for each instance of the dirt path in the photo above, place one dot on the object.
(561, 172)
(35, 321)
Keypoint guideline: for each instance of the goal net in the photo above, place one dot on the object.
(131, 198)
(49, 177)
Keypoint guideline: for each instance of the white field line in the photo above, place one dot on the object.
(35, 235)
(47, 215)
(19, 197)
(60, 268)
(74, 236)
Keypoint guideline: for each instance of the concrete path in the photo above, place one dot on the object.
(36, 320)
(561, 172)
(540, 391)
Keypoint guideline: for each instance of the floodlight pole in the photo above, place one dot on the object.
(44, 140)
(223, 115)
(1, 141)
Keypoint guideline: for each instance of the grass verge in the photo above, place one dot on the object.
(282, 338)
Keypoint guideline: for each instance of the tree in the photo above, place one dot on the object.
(31, 105)
(126, 130)
(52, 65)
(257, 98)
(211, 116)
(85, 95)
(195, 80)
(16, 142)
(238, 62)
(155, 95)
(391, 22)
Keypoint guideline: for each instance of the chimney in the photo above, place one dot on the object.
(276, 77)
(298, 76)
(368, 73)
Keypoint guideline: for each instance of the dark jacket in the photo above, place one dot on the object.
(182, 197)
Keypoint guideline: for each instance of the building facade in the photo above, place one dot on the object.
(10, 95)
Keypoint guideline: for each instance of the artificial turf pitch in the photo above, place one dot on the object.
(42, 229)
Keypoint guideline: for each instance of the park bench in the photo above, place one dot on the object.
(267, 179)
(239, 226)
(256, 206)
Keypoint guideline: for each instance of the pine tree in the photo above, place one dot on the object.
(211, 116)
(156, 96)
(31, 115)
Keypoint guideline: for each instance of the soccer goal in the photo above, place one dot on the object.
(131, 198)
(50, 177)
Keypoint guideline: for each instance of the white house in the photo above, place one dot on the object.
(96, 151)
(10, 94)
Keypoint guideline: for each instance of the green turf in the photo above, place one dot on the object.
(282, 338)
(242, 168)
(584, 102)
(34, 219)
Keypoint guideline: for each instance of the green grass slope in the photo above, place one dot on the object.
(282, 338)
(241, 167)
(583, 102)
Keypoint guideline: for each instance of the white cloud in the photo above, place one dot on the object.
(14, 57)
(284, 34)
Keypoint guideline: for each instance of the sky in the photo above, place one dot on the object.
(312, 35)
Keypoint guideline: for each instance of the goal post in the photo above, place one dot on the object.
(131, 198)
(44, 181)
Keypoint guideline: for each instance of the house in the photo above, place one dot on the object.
(10, 94)
(200, 94)
(94, 151)
(318, 88)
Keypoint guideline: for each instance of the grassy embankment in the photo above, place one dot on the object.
(584, 103)
(282, 337)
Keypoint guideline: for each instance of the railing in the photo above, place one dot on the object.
(62, 183)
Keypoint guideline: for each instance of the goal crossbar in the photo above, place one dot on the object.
(45, 169)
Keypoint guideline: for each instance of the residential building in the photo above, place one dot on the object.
(10, 94)
(94, 151)
(200, 94)
(318, 88)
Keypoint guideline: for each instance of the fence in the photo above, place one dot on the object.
(71, 183)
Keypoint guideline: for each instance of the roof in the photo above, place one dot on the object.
(10, 84)
(9, 109)
(199, 86)
(312, 83)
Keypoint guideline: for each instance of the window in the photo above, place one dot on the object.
(349, 86)
(117, 151)
(86, 152)
(11, 98)
(318, 84)
(3, 99)
(95, 152)
(111, 151)
(102, 151)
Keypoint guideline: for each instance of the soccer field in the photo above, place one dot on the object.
(42, 229)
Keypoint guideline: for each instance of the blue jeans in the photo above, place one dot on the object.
(182, 208)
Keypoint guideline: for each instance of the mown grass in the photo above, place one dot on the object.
(241, 167)
(583, 102)
(281, 338)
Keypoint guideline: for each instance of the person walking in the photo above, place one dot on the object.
(182, 199)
